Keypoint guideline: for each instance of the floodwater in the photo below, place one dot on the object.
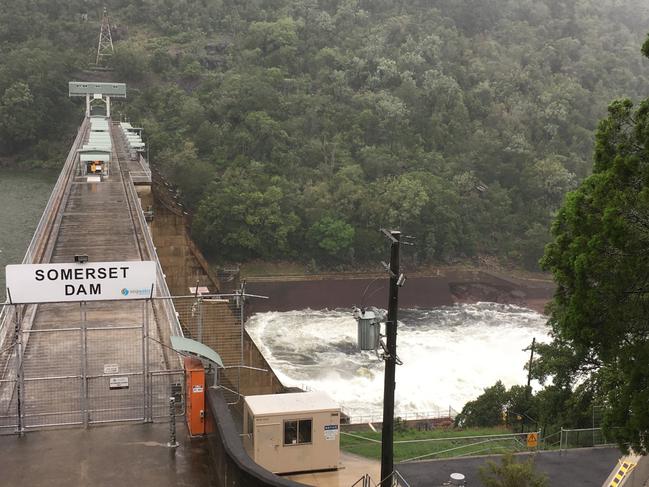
(450, 354)
(23, 197)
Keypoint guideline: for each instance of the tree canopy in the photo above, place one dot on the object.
(598, 258)
(462, 123)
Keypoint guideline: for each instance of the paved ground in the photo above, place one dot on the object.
(351, 468)
(587, 467)
(104, 456)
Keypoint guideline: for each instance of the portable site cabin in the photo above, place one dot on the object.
(94, 156)
(294, 432)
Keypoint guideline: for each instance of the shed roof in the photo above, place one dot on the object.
(187, 345)
(83, 88)
(291, 403)
(94, 156)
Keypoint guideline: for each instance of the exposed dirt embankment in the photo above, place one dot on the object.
(441, 288)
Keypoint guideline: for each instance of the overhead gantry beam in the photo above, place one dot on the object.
(97, 91)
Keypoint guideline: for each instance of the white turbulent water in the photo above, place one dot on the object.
(450, 354)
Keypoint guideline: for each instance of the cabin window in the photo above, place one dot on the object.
(297, 431)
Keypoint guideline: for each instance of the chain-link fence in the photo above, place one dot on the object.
(217, 322)
(582, 438)
(8, 382)
(86, 363)
(99, 362)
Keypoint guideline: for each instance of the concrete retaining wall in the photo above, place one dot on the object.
(446, 287)
(184, 266)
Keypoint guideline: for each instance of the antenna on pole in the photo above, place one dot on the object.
(105, 47)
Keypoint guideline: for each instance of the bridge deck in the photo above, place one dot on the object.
(68, 345)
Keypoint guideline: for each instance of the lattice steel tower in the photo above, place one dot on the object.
(105, 47)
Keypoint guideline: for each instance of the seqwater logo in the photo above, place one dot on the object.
(137, 292)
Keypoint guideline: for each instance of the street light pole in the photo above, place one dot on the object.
(387, 454)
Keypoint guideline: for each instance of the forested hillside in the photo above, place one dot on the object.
(294, 129)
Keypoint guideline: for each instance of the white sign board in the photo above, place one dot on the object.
(118, 383)
(92, 281)
(330, 431)
(111, 369)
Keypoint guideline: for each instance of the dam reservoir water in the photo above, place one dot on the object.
(450, 354)
(23, 197)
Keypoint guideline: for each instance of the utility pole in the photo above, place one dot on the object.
(105, 47)
(528, 390)
(387, 434)
(529, 367)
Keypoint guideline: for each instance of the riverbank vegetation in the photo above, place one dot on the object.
(597, 365)
(295, 129)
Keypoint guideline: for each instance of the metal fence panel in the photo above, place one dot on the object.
(8, 391)
(52, 379)
(53, 401)
(217, 322)
(116, 398)
(115, 373)
(86, 363)
(163, 385)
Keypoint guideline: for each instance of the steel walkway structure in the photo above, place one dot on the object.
(59, 361)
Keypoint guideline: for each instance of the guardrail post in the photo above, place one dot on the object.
(19, 371)
(172, 423)
(145, 362)
(84, 365)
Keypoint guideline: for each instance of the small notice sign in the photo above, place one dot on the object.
(197, 388)
(331, 431)
(532, 440)
(118, 383)
(111, 369)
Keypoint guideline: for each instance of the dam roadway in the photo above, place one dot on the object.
(69, 364)
(58, 358)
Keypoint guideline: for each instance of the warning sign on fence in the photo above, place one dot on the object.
(532, 440)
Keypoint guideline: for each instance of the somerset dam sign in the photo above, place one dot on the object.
(96, 281)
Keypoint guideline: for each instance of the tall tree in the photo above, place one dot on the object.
(599, 261)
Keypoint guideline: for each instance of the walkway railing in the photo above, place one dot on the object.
(47, 224)
(377, 417)
(162, 290)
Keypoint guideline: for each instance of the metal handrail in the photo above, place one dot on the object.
(162, 290)
(145, 166)
(406, 416)
(47, 222)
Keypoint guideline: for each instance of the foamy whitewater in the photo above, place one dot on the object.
(449, 354)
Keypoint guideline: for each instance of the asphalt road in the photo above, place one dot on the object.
(587, 467)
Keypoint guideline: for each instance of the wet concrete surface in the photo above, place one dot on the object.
(120, 455)
(350, 470)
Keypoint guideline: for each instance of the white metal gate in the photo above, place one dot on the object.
(65, 366)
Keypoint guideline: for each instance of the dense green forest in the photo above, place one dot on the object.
(295, 129)
(597, 365)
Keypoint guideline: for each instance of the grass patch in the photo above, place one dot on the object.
(454, 440)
